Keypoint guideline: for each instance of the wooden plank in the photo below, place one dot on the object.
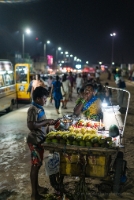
(77, 149)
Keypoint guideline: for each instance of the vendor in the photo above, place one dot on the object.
(89, 105)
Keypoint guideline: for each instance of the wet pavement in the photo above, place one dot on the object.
(15, 155)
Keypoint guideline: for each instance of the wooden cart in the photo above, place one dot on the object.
(105, 164)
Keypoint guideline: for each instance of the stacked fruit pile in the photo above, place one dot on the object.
(88, 123)
(86, 137)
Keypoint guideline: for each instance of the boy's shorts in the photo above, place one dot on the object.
(37, 152)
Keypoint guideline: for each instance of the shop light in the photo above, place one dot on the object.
(3, 72)
(104, 103)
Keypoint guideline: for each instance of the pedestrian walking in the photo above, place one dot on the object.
(72, 82)
(56, 93)
(109, 74)
(65, 93)
(31, 84)
(79, 82)
(97, 73)
(37, 82)
(50, 80)
(121, 93)
(38, 126)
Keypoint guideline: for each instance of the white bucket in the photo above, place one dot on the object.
(111, 116)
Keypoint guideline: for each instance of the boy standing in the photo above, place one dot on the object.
(38, 125)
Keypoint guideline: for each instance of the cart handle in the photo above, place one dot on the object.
(128, 102)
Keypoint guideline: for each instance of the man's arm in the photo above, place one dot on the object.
(51, 91)
(32, 125)
(32, 92)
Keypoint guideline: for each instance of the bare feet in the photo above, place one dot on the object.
(42, 190)
(37, 197)
(57, 110)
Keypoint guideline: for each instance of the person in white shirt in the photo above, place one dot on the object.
(50, 80)
(79, 83)
(67, 87)
(97, 73)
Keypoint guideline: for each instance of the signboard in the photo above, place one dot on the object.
(49, 59)
(78, 66)
(89, 70)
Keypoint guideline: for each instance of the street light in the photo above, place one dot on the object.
(112, 35)
(87, 62)
(58, 49)
(28, 31)
(45, 47)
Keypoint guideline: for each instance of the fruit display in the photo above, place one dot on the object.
(85, 137)
(89, 123)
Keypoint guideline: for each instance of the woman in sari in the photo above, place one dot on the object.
(89, 105)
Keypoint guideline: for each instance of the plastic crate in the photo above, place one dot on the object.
(97, 165)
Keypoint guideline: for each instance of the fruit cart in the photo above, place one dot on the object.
(92, 152)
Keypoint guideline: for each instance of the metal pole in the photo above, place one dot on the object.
(56, 55)
(45, 52)
(23, 39)
(113, 48)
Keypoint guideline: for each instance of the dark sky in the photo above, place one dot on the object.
(82, 27)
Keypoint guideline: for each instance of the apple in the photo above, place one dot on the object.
(82, 143)
(48, 140)
(75, 143)
(54, 141)
(88, 144)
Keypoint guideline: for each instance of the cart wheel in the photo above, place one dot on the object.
(118, 173)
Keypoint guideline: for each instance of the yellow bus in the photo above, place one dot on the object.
(7, 86)
(22, 79)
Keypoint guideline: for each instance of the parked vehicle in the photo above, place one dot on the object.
(7, 86)
(23, 76)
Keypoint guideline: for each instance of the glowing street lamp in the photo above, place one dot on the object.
(112, 35)
(59, 48)
(27, 31)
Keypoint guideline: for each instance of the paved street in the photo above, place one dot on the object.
(15, 155)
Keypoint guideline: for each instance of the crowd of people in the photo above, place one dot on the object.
(60, 88)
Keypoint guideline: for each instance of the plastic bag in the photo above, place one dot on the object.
(52, 163)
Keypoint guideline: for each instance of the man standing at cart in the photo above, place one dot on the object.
(37, 124)
(89, 105)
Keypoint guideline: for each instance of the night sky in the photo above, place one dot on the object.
(82, 27)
